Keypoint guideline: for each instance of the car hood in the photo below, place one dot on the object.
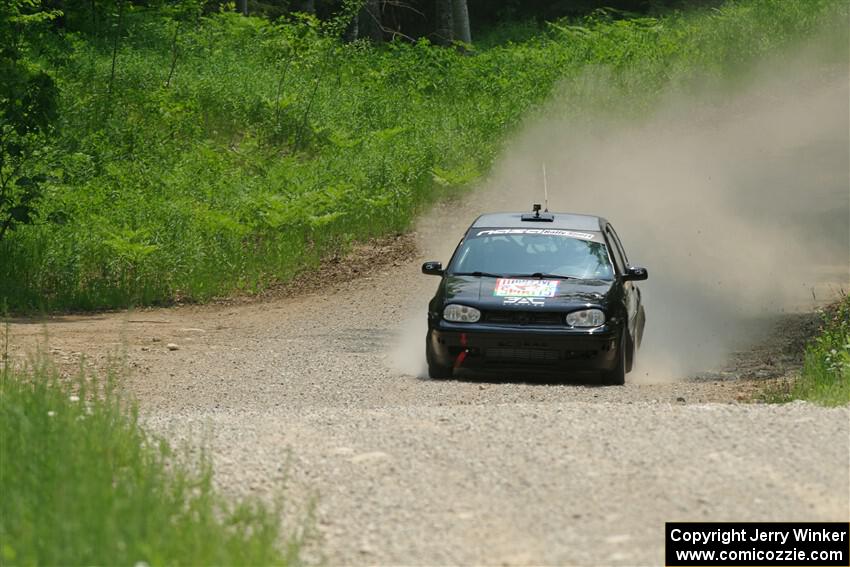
(484, 292)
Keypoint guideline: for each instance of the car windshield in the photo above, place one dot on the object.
(527, 252)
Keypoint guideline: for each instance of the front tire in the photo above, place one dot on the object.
(436, 371)
(617, 376)
(630, 353)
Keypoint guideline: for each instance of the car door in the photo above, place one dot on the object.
(631, 292)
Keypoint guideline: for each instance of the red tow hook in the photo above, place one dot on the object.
(462, 356)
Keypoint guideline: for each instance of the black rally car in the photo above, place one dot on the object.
(536, 291)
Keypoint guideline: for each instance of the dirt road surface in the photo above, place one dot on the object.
(301, 395)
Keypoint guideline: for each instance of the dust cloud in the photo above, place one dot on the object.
(737, 200)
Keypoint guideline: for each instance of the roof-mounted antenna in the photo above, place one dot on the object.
(545, 190)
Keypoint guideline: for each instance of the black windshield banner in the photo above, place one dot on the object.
(539, 231)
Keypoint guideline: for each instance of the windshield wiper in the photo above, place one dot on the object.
(541, 275)
(477, 274)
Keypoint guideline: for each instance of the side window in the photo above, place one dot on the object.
(616, 250)
(619, 244)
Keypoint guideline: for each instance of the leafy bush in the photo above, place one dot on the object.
(226, 153)
(825, 377)
(82, 484)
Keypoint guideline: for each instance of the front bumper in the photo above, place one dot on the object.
(526, 348)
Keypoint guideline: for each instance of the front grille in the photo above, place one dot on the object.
(524, 354)
(523, 318)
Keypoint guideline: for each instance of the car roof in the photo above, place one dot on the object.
(561, 220)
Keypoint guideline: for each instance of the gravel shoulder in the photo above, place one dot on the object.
(315, 395)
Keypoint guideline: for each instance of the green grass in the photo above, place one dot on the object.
(83, 484)
(274, 144)
(825, 377)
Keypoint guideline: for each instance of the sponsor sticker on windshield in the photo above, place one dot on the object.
(507, 287)
(541, 231)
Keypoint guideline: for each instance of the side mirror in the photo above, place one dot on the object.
(635, 274)
(432, 268)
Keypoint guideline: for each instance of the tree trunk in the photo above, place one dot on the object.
(115, 44)
(444, 33)
(460, 20)
(306, 6)
(371, 25)
(242, 6)
(352, 32)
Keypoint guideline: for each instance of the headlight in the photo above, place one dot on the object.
(586, 318)
(461, 314)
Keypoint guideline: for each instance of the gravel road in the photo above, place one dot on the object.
(302, 395)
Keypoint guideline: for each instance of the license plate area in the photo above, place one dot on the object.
(525, 344)
(522, 354)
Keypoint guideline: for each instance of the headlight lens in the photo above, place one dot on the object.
(461, 314)
(586, 318)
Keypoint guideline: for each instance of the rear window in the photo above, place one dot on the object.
(526, 251)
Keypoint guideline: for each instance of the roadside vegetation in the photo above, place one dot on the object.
(825, 377)
(185, 154)
(82, 484)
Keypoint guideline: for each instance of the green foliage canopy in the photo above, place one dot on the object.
(195, 154)
(28, 109)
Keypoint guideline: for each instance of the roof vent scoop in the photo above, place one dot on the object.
(537, 216)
